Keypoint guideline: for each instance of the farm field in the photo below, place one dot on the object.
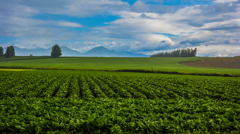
(117, 102)
(216, 62)
(119, 67)
(165, 64)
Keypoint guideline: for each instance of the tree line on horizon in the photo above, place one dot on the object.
(10, 52)
(189, 52)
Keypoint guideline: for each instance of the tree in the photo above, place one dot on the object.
(56, 51)
(189, 52)
(1, 51)
(10, 52)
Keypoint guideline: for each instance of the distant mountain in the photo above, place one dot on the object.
(104, 52)
(69, 52)
(100, 52)
(44, 52)
(95, 52)
(34, 52)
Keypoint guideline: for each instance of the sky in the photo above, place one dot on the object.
(138, 26)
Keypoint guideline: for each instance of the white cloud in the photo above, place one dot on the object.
(218, 50)
(13, 8)
(225, 1)
(192, 24)
(154, 38)
(226, 24)
(140, 6)
(68, 24)
(141, 28)
(79, 8)
(151, 22)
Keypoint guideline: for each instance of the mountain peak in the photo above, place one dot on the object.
(104, 52)
(99, 48)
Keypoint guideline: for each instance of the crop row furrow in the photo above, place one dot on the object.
(42, 87)
(52, 88)
(73, 90)
(20, 89)
(11, 82)
(148, 92)
(86, 93)
(116, 88)
(105, 88)
(63, 88)
(135, 93)
(97, 92)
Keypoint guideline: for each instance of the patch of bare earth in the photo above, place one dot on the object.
(215, 62)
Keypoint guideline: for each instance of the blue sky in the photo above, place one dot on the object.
(139, 26)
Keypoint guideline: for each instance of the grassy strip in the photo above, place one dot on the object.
(16, 58)
(125, 70)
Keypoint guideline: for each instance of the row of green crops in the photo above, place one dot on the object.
(110, 102)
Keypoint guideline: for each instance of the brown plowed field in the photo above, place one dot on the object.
(215, 62)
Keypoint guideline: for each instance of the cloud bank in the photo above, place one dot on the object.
(145, 27)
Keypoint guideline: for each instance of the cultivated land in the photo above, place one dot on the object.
(171, 64)
(216, 62)
(77, 101)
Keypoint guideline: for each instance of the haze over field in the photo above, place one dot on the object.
(136, 26)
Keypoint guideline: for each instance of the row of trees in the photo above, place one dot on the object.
(189, 52)
(10, 52)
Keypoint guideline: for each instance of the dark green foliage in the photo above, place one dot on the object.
(178, 53)
(1, 51)
(10, 52)
(56, 51)
(107, 102)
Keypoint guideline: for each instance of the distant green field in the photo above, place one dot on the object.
(168, 64)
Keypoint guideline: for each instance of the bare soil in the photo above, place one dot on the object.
(226, 62)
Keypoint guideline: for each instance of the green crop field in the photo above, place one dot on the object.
(117, 102)
(167, 64)
(81, 101)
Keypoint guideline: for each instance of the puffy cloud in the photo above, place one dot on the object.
(192, 24)
(218, 50)
(150, 22)
(154, 38)
(143, 28)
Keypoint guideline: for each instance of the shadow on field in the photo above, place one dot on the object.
(129, 70)
(167, 72)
